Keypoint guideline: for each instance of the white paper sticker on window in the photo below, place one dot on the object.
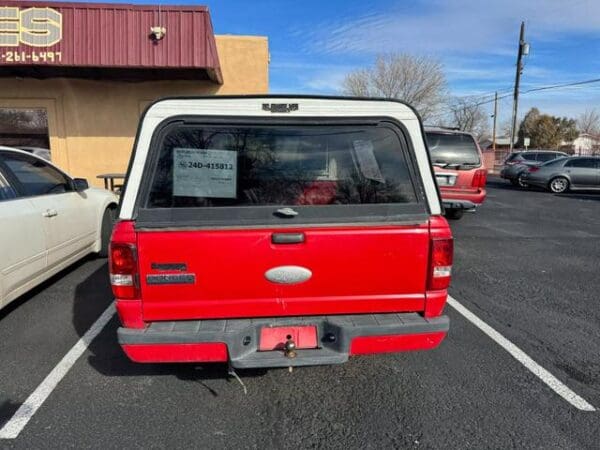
(367, 161)
(204, 173)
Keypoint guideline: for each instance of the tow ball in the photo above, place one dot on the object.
(290, 348)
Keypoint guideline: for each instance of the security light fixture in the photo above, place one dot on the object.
(158, 33)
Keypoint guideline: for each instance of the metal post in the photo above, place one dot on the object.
(495, 118)
(517, 82)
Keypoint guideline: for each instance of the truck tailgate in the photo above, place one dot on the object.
(201, 274)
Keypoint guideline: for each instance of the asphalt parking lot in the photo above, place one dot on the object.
(526, 264)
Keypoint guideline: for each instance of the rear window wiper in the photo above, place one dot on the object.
(459, 166)
(450, 165)
(455, 165)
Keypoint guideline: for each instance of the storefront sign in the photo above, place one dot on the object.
(47, 39)
(35, 27)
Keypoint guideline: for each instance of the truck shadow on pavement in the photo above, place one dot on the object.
(7, 409)
(92, 297)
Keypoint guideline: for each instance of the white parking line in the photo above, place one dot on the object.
(554, 383)
(15, 425)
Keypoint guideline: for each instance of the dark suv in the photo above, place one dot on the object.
(517, 164)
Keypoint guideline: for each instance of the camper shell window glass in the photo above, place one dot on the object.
(244, 173)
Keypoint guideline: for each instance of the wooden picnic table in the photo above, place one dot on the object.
(109, 179)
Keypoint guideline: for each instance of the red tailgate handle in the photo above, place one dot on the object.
(287, 238)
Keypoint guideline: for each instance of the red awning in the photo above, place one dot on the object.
(107, 41)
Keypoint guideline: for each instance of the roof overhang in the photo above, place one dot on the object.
(107, 41)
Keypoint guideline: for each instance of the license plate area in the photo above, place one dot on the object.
(274, 338)
(445, 179)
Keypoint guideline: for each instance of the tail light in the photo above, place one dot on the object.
(479, 178)
(440, 262)
(533, 169)
(123, 270)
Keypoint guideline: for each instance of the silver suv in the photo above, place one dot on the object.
(517, 164)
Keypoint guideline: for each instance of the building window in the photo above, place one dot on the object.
(25, 128)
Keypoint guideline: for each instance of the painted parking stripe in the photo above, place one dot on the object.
(554, 383)
(17, 422)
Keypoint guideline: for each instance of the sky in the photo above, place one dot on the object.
(314, 44)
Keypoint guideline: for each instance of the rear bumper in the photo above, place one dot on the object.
(237, 340)
(456, 199)
(513, 175)
(509, 174)
(459, 204)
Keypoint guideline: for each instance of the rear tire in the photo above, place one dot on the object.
(558, 185)
(514, 182)
(108, 220)
(454, 214)
(521, 181)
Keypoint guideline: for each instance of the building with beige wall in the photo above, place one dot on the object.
(93, 109)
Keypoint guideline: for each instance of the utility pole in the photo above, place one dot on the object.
(495, 118)
(523, 50)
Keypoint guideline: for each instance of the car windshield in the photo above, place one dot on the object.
(452, 148)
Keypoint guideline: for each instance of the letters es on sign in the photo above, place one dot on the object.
(204, 173)
(36, 27)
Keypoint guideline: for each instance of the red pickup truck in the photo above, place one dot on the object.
(271, 231)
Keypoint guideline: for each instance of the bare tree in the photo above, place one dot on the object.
(417, 80)
(589, 122)
(504, 128)
(468, 115)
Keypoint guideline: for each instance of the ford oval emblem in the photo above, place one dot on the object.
(288, 274)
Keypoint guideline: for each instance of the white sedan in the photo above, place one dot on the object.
(48, 221)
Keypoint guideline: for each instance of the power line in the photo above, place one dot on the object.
(450, 108)
(556, 86)
(486, 94)
(536, 89)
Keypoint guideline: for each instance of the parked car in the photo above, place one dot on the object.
(459, 170)
(566, 174)
(517, 163)
(279, 231)
(48, 220)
